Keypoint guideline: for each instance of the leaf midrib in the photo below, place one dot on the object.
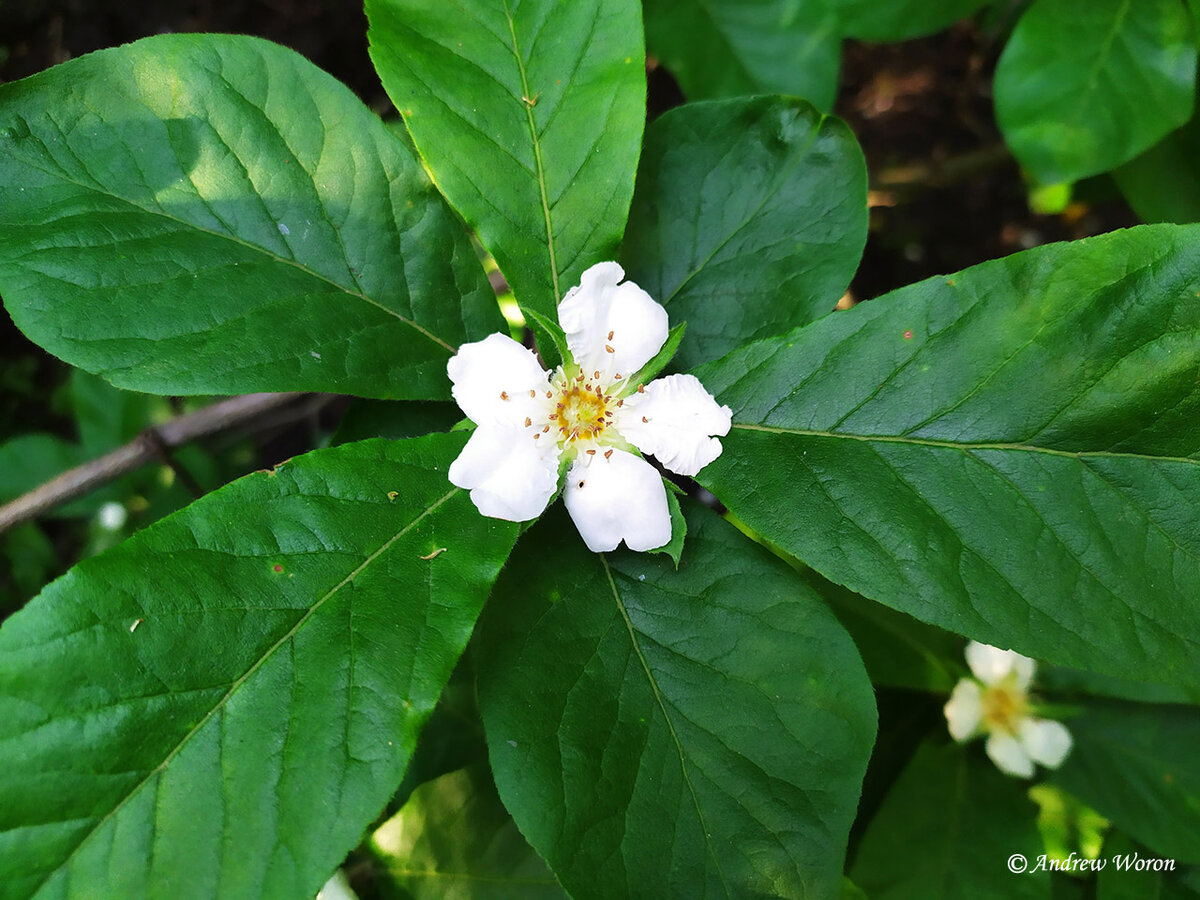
(687, 779)
(540, 174)
(247, 245)
(242, 679)
(963, 446)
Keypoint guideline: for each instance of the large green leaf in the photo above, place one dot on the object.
(699, 732)
(946, 830)
(749, 219)
(454, 840)
(1137, 765)
(219, 706)
(529, 113)
(898, 20)
(1133, 879)
(728, 48)
(1010, 453)
(212, 214)
(1163, 184)
(1083, 87)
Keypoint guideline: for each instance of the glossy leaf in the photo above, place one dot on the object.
(946, 829)
(1128, 883)
(728, 48)
(529, 115)
(1163, 184)
(454, 840)
(749, 219)
(1081, 88)
(1011, 453)
(1136, 764)
(899, 20)
(220, 705)
(196, 214)
(673, 733)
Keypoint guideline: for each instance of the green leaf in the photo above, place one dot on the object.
(454, 840)
(1136, 764)
(899, 20)
(662, 358)
(529, 116)
(947, 828)
(749, 219)
(1128, 882)
(673, 733)
(1010, 453)
(727, 48)
(220, 705)
(1082, 88)
(549, 331)
(1163, 184)
(197, 214)
(674, 547)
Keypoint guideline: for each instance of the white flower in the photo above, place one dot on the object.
(591, 415)
(996, 703)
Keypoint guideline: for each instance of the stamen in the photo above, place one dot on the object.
(610, 334)
(621, 402)
(538, 435)
(532, 392)
(591, 453)
(596, 374)
(544, 430)
(554, 416)
(528, 421)
(641, 389)
(617, 377)
(644, 419)
(608, 349)
(504, 395)
(549, 394)
(607, 454)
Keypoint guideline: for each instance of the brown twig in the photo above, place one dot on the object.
(146, 447)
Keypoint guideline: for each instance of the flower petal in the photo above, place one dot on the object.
(673, 420)
(1045, 741)
(600, 306)
(991, 664)
(509, 474)
(487, 372)
(618, 498)
(964, 709)
(1009, 755)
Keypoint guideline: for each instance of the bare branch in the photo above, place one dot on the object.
(146, 447)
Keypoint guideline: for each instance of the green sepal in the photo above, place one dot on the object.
(674, 547)
(660, 359)
(544, 327)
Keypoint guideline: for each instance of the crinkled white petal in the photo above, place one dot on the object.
(486, 372)
(1009, 755)
(509, 474)
(681, 418)
(964, 709)
(1045, 741)
(618, 498)
(599, 306)
(991, 664)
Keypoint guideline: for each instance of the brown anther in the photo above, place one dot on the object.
(544, 430)
(610, 334)
(549, 394)
(581, 376)
(617, 377)
(528, 421)
(621, 402)
(553, 416)
(538, 435)
(607, 454)
(596, 374)
(608, 349)
(504, 395)
(591, 453)
(599, 393)
(641, 389)
(559, 405)
(532, 392)
(644, 419)
(581, 484)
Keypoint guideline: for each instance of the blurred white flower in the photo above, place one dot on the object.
(112, 516)
(591, 415)
(996, 703)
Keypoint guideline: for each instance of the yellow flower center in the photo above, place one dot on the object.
(1004, 706)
